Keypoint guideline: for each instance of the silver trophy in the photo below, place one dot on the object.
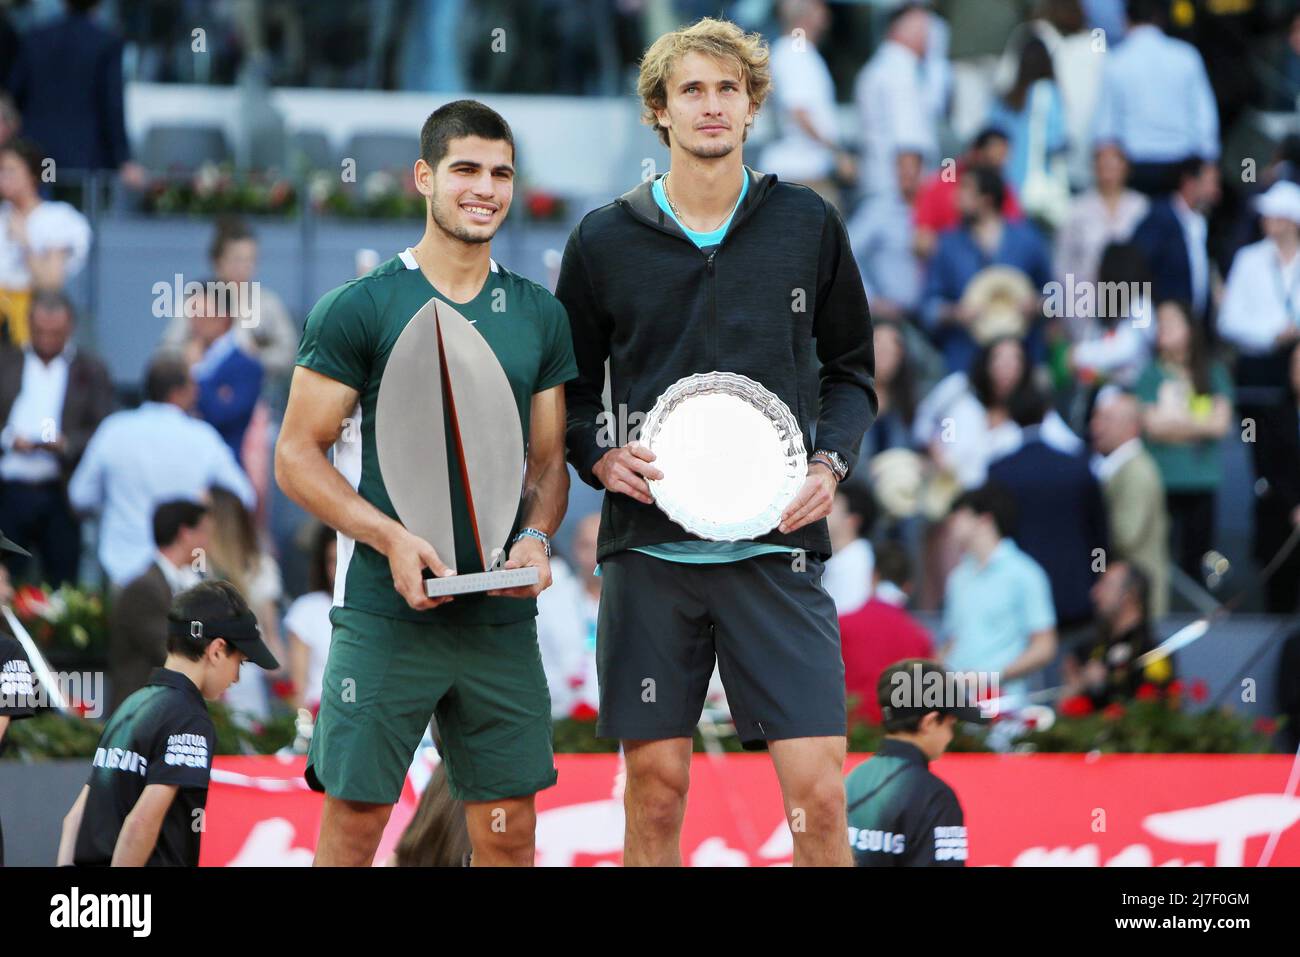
(441, 367)
(731, 452)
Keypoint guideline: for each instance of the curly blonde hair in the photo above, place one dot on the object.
(720, 39)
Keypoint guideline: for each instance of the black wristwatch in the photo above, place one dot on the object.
(832, 460)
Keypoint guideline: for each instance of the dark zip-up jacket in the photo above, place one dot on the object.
(777, 297)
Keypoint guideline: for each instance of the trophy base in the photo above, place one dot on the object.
(480, 581)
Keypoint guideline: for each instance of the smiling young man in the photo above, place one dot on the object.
(396, 656)
(714, 266)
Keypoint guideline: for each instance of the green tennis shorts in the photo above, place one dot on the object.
(385, 677)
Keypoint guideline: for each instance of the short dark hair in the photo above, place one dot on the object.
(1187, 168)
(893, 564)
(1146, 11)
(909, 725)
(167, 372)
(861, 502)
(1125, 263)
(908, 721)
(461, 118)
(53, 300)
(31, 155)
(1066, 15)
(994, 500)
(170, 517)
(207, 601)
(988, 134)
(1029, 406)
(988, 182)
(229, 229)
(1288, 150)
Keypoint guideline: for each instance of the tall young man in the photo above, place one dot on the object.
(714, 266)
(148, 787)
(397, 656)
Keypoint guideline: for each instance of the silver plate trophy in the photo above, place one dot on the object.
(441, 367)
(731, 452)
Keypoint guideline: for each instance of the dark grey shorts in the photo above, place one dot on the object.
(772, 630)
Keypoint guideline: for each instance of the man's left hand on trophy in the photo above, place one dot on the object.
(528, 551)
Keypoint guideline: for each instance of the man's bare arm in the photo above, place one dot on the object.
(139, 834)
(546, 489)
(1039, 654)
(71, 828)
(546, 479)
(315, 418)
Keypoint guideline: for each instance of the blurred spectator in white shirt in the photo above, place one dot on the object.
(52, 398)
(965, 421)
(307, 622)
(43, 243)
(847, 575)
(897, 125)
(1260, 312)
(139, 458)
(1107, 213)
(566, 625)
(806, 149)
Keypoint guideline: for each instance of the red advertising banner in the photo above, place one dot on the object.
(1021, 810)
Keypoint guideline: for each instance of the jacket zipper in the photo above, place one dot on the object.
(713, 306)
(711, 333)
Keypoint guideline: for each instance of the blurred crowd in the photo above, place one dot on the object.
(1075, 313)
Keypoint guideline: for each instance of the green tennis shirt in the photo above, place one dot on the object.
(349, 336)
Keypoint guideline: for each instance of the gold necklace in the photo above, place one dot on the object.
(673, 207)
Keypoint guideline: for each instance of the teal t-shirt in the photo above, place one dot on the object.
(1186, 466)
(702, 552)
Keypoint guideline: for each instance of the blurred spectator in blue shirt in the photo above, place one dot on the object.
(997, 610)
(984, 239)
(229, 379)
(1156, 101)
